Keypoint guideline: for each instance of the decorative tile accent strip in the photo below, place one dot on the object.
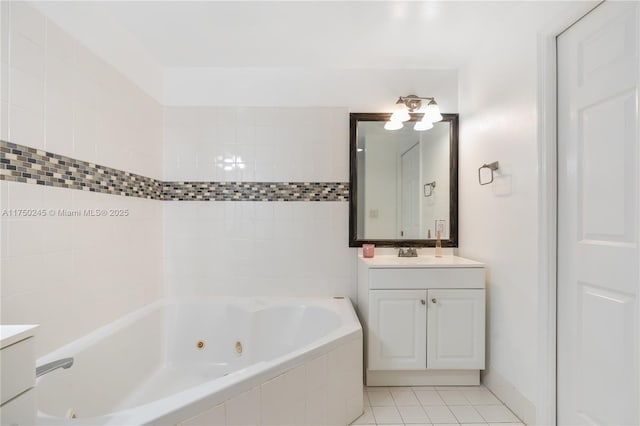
(256, 191)
(21, 163)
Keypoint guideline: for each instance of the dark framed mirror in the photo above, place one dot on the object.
(403, 183)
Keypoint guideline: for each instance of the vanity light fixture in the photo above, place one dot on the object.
(412, 103)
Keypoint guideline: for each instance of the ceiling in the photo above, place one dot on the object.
(335, 34)
(180, 51)
(292, 34)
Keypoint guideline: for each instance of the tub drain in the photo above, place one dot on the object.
(71, 414)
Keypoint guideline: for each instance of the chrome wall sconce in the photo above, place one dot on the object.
(412, 103)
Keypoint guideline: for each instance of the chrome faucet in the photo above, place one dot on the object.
(54, 365)
(410, 252)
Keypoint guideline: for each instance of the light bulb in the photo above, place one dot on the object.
(423, 125)
(393, 125)
(432, 113)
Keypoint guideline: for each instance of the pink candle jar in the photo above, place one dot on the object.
(368, 250)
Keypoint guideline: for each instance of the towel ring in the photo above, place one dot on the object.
(491, 166)
(428, 188)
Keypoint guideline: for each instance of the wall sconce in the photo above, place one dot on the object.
(412, 103)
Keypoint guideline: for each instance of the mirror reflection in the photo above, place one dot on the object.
(403, 183)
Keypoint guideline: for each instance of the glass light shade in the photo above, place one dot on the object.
(423, 125)
(393, 125)
(400, 115)
(432, 113)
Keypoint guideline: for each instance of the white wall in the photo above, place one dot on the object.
(74, 274)
(499, 223)
(360, 89)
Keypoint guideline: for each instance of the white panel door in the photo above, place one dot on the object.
(455, 329)
(410, 165)
(397, 330)
(598, 258)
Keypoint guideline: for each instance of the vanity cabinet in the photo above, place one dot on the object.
(424, 320)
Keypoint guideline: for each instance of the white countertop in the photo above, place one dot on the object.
(10, 334)
(423, 261)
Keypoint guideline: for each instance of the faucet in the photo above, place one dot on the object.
(54, 365)
(410, 252)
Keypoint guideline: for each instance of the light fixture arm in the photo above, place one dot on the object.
(413, 102)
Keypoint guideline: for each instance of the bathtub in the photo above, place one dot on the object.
(212, 362)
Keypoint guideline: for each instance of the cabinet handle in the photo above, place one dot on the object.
(433, 300)
(424, 302)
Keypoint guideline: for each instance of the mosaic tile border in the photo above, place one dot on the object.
(256, 191)
(19, 163)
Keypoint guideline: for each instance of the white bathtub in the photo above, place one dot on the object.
(262, 361)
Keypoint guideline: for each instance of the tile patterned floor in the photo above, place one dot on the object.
(434, 405)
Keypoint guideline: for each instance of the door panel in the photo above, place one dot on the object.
(397, 334)
(455, 329)
(606, 169)
(598, 259)
(607, 316)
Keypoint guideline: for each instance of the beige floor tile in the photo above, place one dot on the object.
(413, 415)
(381, 399)
(496, 414)
(386, 415)
(404, 398)
(429, 397)
(466, 414)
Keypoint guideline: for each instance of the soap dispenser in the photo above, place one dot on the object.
(438, 245)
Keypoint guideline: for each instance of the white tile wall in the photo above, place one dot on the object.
(257, 248)
(256, 144)
(72, 275)
(62, 98)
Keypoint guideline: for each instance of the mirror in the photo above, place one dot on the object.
(403, 183)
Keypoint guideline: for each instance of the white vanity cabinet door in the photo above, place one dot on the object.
(397, 330)
(455, 329)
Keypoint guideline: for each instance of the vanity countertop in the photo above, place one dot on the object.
(10, 334)
(423, 261)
